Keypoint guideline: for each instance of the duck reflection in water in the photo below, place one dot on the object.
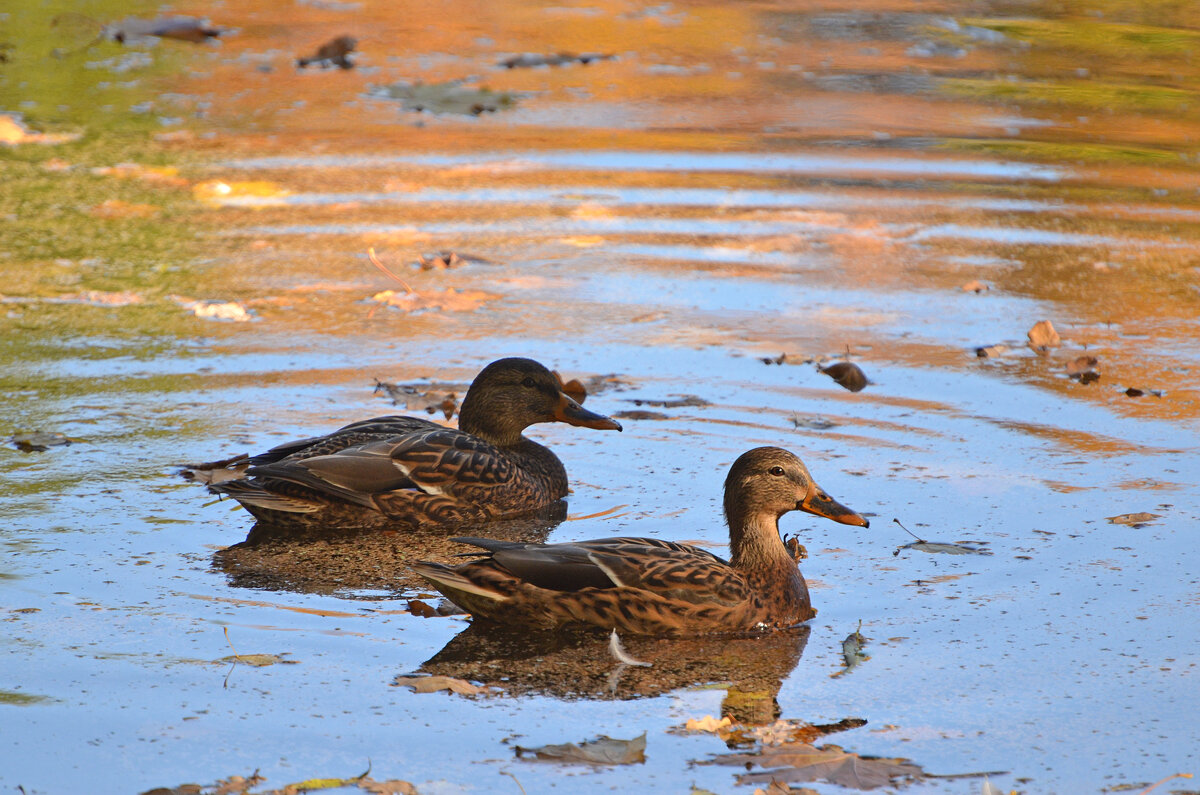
(572, 664)
(363, 562)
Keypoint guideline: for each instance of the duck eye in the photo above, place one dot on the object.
(776, 471)
(528, 382)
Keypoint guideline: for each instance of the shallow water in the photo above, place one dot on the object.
(741, 182)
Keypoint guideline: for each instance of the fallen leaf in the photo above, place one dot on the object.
(256, 660)
(334, 52)
(1043, 335)
(796, 550)
(803, 762)
(781, 788)
(640, 414)
(449, 300)
(214, 309)
(1135, 520)
(393, 787)
(601, 751)
(530, 60)
(846, 374)
(707, 724)
(38, 441)
(433, 684)
(852, 650)
(430, 399)
(1080, 365)
(131, 30)
(420, 609)
(991, 351)
(975, 286)
(673, 403)
(448, 97)
(1135, 392)
(945, 549)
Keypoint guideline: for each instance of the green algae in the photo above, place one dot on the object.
(1099, 38)
(1073, 152)
(1084, 94)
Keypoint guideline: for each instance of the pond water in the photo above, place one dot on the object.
(741, 181)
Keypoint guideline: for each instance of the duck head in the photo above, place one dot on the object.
(769, 482)
(509, 395)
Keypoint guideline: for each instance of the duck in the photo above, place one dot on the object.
(401, 472)
(648, 586)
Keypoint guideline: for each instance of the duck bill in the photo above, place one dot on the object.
(819, 503)
(572, 413)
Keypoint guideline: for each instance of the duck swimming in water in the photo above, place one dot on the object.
(409, 473)
(650, 587)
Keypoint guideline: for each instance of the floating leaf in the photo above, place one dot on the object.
(1043, 335)
(1135, 520)
(640, 414)
(38, 441)
(430, 398)
(991, 351)
(449, 300)
(975, 286)
(601, 751)
(334, 52)
(449, 97)
(256, 660)
(852, 650)
(432, 684)
(530, 60)
(1135, 392)
(803, 762)
(707, 724)
(846, 374)
(214, 309)
(682, 400)
(942, 548)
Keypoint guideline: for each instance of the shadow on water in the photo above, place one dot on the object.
(362, 563)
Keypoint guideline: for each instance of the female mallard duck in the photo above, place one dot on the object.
(650, 587)
(397, 472)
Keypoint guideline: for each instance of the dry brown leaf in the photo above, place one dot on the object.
(1134, 519)
(448, 300)
(393, 787)
(601, 751)
(991, 351)
(1043, 335)
(1082, 364)
(847, 374)
(707, 724)
(804, 762)
(420, 609)
(432, 684)
(975, 286)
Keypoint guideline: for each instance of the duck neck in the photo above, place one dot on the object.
(491, 426)
(754, 542)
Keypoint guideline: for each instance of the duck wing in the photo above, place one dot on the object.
(664, 568)
(437, 461)
(356, 433)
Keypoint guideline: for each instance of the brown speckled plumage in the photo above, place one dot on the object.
(404, 472)
(651, 587)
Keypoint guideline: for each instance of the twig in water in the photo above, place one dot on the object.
(910, 532)
(1165, 780)
(514, 778)
(375, 261)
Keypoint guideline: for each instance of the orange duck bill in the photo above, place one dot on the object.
(817, 502)
(572, 413)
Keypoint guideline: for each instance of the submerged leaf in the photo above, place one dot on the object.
(432, 684)
(38, 441)
(943, 548)
(601, 751)
(804, 762)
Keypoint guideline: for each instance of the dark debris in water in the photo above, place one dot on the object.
(847, 375)
(450, 97)
(431, 398)
(676, 402)
(603, 750)
(530, 60)
(38, 441)
(335, 52)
